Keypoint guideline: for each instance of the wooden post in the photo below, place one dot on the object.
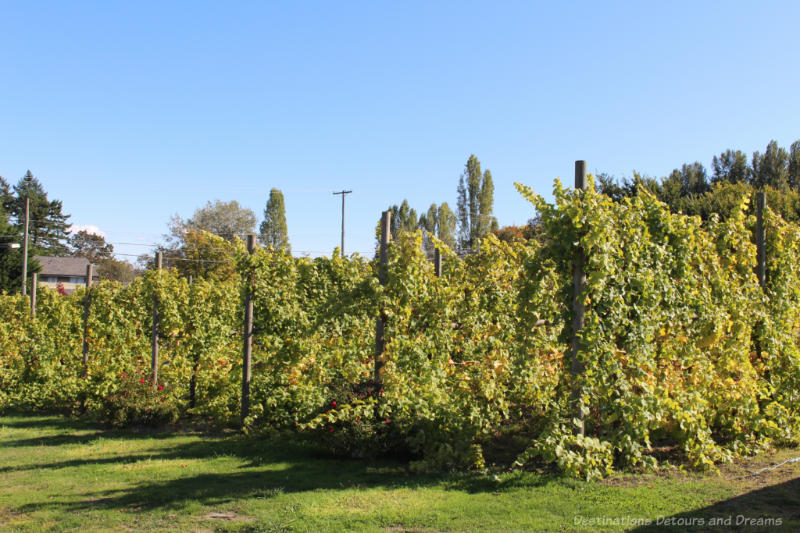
(761, 256)
(34, 281)
(761, 263)
(193, 384)
(380, 325)
(578, 320)
(247, 349)
(86, 304)
(437, 263)
(25, 246)
(154, 339)
(195, 366)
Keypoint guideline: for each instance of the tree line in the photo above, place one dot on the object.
(462, 230)
(48, 235)
(198, 239)
(692, 190)
(201, 245)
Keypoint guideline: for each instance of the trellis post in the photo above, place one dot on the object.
(86, 304)
(247, 349)
(34, 281)
(437, 262)
(761, 255)
(578, 320)
(380, 325)
(154, 338)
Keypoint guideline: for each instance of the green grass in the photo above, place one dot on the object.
(58, 474)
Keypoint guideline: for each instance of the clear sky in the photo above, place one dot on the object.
(130, 112)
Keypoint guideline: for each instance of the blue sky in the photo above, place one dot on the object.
(130, 112)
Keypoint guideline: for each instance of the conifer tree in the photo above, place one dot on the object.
(731, 166)
(770, 168)
(11, 258)
(48, 227)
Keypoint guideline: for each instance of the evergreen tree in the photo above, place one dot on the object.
(793, 168)
(687, 190)
(48, 225)
(273, 230)
(439, 221)
(427, 223)
(693, 179)
(770, 168)
(731, 167)
(404, 218)
(606, 184)
(475, 205)
(10, 259)
(5, 195)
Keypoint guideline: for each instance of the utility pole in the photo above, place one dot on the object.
(25, 247)
(343, 193)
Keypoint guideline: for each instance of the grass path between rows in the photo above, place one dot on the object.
(60, 474)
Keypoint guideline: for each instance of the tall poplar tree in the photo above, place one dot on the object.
(446, 225)
(273, 230)
(475, 205)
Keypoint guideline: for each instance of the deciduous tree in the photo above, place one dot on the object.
(475, 205)
(273, 230)
(91, 246)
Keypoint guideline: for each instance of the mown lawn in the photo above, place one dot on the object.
(58, 474)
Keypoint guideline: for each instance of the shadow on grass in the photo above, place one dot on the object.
(267, 473)
(269, 468)
(42, 420)
(774, 508)
(65, 428)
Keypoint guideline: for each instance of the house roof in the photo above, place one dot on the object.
(63, 266)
